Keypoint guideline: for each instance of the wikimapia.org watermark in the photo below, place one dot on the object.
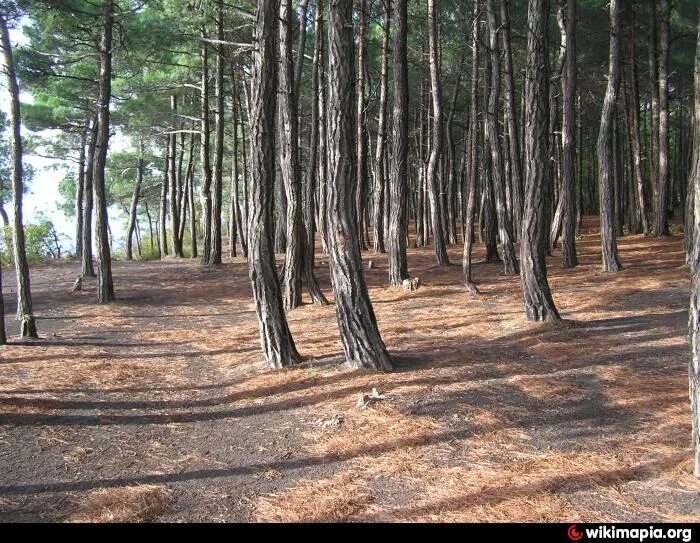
(636, 534)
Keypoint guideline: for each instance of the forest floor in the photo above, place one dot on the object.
(159, 407)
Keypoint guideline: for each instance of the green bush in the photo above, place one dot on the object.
(41, 242)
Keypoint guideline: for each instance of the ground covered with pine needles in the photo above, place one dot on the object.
(159, 407)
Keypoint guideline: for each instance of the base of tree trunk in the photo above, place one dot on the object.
(28, 327)
(471, 288)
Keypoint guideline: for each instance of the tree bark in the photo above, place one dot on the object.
(510, 262)
(131, 227)
(163, 209)
(538, 302)
(661, 219)
(568, 135)
(80, 193)
(362, 344)
(24, 295)
(206, 181)
(275, 337)
(362, 167)
(694, 320)
(654, 102)
(608, 236)
(437, 135)
(218, 173)
(398, 222)
(172, 181)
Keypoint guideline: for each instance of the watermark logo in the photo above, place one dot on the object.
(574, 534)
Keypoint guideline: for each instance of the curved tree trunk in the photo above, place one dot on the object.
(24, 295)
(398, 222)
(568, 88)
(608, 236)
(437, 134)
(537, 298)
(275, 337)
(505, 233)
(362, 344)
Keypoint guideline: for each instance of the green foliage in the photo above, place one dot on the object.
(41, 240)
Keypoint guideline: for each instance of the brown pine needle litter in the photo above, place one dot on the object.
(127, 504)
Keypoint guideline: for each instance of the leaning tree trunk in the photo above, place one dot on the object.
(275, 337)
(362, 344)
(437, 136)
(472, 154)
(87, 268)
(539, 305)
(661, 220)
(694, 182)
(608, 236)
(24, 295)
(568, 89)
(505, 231)
(134, 203)
(398, 221)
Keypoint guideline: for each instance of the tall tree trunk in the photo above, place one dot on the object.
(516, 170)
(568, 134)
(193, 215)
(206, 181)
(608, 236)
(398, 222)
(694, 321)
(654, 103)
(24, 295)
(505, 233)
(80, 193)
(661, 219)
(473, 159)
(87, 268)
(189, 176)
(173, 181)
(437, 132)
(105, 288)
(236, 220)
(218, 174)
(276, 339)
(134, 203)
(380, 149)
(322, 146)
(539, 305)
(362, 344)
(163, 209)
(362, 169)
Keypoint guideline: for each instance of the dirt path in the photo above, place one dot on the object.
(158, 407)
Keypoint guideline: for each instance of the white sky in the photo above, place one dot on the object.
(43, 195)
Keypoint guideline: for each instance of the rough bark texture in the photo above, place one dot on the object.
(105, 288)
(661, 220)
(80, 194)
(361, 138)
(608, 235)
(163, 208)
(275, 337)
(362, 344)
(539, 305)
(437, 137)
(654, 103)
(510, 262)
(175, 238)
(398, 225)
(568, 131)
(24, 295)
(694, 313)
(516, 169)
